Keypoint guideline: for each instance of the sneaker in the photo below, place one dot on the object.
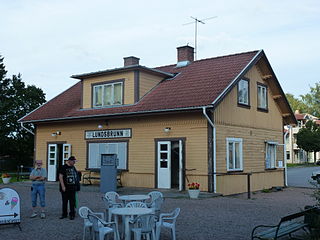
(33, 215)
(42, 215)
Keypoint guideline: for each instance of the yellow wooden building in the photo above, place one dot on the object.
(211, 121)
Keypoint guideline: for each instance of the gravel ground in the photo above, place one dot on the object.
(230, 217)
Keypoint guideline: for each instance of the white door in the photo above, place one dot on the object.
(180, 167)
(52, 161)
(164, 164)
(66, 148)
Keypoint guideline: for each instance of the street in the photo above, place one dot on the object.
(301, 176)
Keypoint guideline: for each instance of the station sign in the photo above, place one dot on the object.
(108, 134)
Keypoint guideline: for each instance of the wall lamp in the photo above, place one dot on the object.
(100, 126)
(54, 134)
(167, 129)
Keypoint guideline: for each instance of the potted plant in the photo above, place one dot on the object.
(194, 190)
(5, 178)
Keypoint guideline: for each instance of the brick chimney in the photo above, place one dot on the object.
(185, 53)
(129, 61)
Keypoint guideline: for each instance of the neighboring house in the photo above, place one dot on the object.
(211, 121)
(293, 153)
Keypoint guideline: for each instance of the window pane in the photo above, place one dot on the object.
(96, 149)
(97, 96)
(273, 156)
(262, 97)
(243, 93)
(118, 93)
(163, 156)
(163, 147)
(107, 95)
(237, 155)
(230, 160)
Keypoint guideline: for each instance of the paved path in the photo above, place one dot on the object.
(207, 218)
(301, 176)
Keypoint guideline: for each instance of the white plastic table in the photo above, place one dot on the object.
(137, 197)
(127, 212)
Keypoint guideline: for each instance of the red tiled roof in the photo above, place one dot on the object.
(196, 85)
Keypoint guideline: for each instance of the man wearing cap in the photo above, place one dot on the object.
(38, 176)
(69, 182)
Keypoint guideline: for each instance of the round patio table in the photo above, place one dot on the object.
(137, 197)
(127, 213)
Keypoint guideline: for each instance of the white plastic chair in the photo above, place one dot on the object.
(111, 200)
(144, 225)
(136, 205)
(155, 202)
(167, 220)
(83, 213)
(102, 228)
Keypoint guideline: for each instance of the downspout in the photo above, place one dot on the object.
(214, 175)
(284, 157)
(28, 130)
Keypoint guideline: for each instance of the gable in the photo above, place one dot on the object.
(228, 112)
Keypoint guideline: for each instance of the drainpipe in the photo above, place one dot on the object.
(28, 130)
(285, 157)
(213, 149)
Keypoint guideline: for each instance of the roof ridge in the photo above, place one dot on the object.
(229, 55)
(205, 59)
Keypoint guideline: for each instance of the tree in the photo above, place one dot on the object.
(16, 100)
(296, 104)
(308, 138)
(312, 100)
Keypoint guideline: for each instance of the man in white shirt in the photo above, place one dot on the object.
(38, 177)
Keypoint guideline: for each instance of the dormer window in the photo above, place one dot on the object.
(243, 92)
(107, 94)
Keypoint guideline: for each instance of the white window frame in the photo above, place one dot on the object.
(240, 87)
(273, 164)
(102, 94)
(262, 99)
(233, 141)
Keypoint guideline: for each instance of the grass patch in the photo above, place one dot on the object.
(292, 165)
(266, 190)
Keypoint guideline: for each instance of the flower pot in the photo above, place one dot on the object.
(6, 180)
(193, 193)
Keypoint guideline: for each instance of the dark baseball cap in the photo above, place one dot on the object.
(72, 158)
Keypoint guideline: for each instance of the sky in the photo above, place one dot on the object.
(47, 41)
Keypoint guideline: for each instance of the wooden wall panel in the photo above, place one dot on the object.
(233, 184)
(253, 146)
(147, 82)
(141, 158)
(128, 87)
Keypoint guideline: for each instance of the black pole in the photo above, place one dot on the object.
(248, 184)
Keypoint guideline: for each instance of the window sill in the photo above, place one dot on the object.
(270, 169)
(234, 171)
(263, 110)
(244, 105)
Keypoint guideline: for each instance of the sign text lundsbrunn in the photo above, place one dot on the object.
(115, 133)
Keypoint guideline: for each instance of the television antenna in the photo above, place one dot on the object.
(195, 22)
